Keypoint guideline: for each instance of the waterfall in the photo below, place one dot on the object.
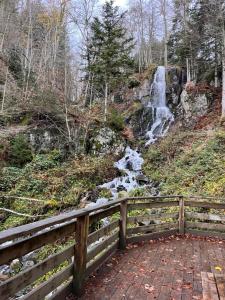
(162, 117)
(131, 163)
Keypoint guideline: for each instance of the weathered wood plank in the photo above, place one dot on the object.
(181, 215)
(95, 236)
(101, 259)
(13, 233)
(123, 225)
(18, 282)
(209, 286)
(204, 216)
(152, 227)
(205, 204)
(205, 233)
(97, 216)
(207, 226)
(152, 217)
(150, 205)
(45, 288)
(63, 291)
(27, 245)
(151, 236)
(220, 283)
(80, 254)
(100, 247)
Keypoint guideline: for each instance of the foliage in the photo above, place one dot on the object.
(60, 184)
(188, 164)
(109, 50)
(20, 152)
(115, 120)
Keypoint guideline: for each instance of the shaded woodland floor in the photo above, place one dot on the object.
(164, 269)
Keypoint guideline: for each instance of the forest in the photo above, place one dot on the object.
(112, 138)
(84, 82)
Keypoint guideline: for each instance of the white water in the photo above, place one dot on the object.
(162, 117)
(131, 163)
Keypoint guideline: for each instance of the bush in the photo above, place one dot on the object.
(43, 162)
(115, 121)
(19, 152)
(9, 177)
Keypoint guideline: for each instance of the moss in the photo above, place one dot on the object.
(13, 221)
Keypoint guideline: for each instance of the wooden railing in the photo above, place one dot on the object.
(131, 220)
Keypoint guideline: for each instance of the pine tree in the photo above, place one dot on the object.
(110, 51)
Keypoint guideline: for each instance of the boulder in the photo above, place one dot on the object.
(142, 179)
(105, 140)
(195, 105)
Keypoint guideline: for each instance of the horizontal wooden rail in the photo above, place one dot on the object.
(90, 248)
(23, 279)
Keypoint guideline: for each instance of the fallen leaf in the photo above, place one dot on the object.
(149, 288)
(218, 268)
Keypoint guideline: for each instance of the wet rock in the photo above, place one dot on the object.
(129, 166)
(142, 179)
(30, 256)
(28, 264)
(121, 188)
(176, 79)
(141, 120)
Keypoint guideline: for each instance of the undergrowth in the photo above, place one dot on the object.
(188, 163)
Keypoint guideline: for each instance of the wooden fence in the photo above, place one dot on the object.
(131, 220)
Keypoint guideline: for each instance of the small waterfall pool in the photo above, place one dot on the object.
(131, 163)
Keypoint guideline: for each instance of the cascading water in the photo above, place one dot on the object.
(162, 117)
(131, 163)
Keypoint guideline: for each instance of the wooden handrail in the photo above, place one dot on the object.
(75, 226)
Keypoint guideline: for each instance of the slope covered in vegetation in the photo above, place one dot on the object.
(190, 162)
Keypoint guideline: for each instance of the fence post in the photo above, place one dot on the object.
(123, 225)
(181, 215)
(80, 253)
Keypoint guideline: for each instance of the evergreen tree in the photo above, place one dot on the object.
(110, 51)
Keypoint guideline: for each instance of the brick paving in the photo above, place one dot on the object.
(166, 269)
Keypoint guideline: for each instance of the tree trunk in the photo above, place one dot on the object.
(223, 62)
(165, 34)
(106, 101)
(188, 70)
(4, 92)
(216, 66)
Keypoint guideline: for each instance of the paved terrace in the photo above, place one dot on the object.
(162, 269)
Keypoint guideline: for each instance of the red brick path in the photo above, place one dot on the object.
(169, 269)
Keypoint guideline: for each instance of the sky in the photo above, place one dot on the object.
(121, 3)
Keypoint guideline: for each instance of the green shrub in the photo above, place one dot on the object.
(115, 120)
(19, 152)
(45, 161)
(8, 178)
(133, 83)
